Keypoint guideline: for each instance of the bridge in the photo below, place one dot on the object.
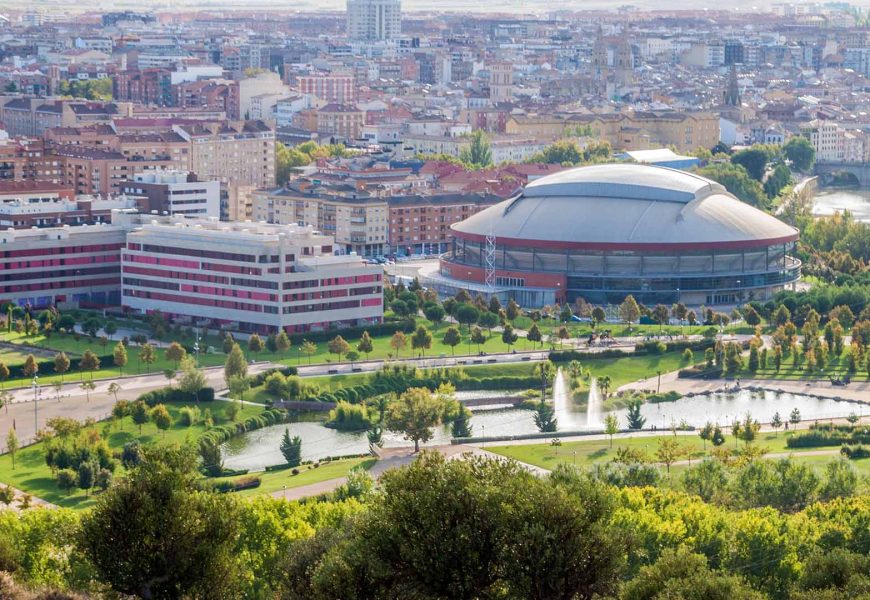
(826, 171)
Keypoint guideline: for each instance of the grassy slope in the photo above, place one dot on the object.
(275, 481)
(32, 475)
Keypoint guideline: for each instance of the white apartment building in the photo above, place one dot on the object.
(248, 276)
(828, 138)
(175, 192)
(504, 148)
(374, 20)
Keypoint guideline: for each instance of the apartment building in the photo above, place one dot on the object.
(358, 224)
(175, 192)
(27, 159)
(504, 148)
(341, 120)
(101, 172)
(828, 138)
(33, 116)
(331, 87)
(239, 152)
(373, 226)
(374, 20)
(250, 276)
(62, 266)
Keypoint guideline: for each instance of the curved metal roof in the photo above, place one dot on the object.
(625, 206)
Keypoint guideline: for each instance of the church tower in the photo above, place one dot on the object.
(732, 92)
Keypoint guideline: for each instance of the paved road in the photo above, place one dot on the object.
(77, 404)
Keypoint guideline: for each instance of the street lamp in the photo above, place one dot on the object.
(35, 404)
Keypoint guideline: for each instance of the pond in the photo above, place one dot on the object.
(258, 449)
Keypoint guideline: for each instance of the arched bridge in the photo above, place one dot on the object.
(826, 171)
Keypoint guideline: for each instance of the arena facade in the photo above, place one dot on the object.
(605, 231)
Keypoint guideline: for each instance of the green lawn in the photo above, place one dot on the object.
(74, 348)
(32, 475)
(589, 452)
(275, 481)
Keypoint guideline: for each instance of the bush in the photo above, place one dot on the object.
(855, 452)
(243, 483)
(170, 394)
(349, 417)
(830, 436)
(189, 416)
(700, 372)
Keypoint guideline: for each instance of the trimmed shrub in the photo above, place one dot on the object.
(855, 452)
(243, 483)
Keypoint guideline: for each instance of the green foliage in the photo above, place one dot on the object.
(800, 152)
(291, 449)
(478, 153)
(737, 181)
(753, 160)
(634, 418)
(349, 417)
(545, 417)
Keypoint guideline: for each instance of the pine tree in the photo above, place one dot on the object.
(291, 448)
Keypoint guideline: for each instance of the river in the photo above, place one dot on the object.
(856, 201)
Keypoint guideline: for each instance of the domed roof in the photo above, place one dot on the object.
(627, 206)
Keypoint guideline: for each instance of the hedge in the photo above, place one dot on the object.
(855, 452)
(653, 346)
(557, 356)
(260, 378)
(700, 372)
(245, 483)
(219, 435)
(498, 383)
(829, 436)
(170, 394)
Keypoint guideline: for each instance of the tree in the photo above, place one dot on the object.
(282, 342)
(795, 417)
(291, 449)
(255, 343)
(86, 475)
(309, 349)
(338, 345)
(669, 451)
(398, 342)
(598, 316)
(139, 414)
(67, 480)
(706, 433)
(111, 328)
(87, 387)
(12, 444)
(478, 154)
(461, 426)
(228, 342)
(176, 353)
(91, 326)
(61, 364)
(661, 314)
(629, 311)
(508, 336)
(512, 311)
(89, 362)
(113, 390)
(534, 334)
(749, 429)
(466, 314)
(776, 422)
(192, 380)
(737, 181)
(31, 367)
(545, 417)
(799, 152)
(718, 437)
(147, 355)
(611, 426)
(434, 312)
(161, 417)
(452, 338)
(235, 366)
(365, 344)
(4, 374)
(154, 535)
(421, 339)
(119, 356)
(477, 337)
(120, 409)
(682, 575)
(635, 420)
(754, 160)
(488, 320)
(414, 414)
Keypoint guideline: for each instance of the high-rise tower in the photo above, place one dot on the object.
(374, 20)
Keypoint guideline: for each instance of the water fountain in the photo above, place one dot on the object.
(562, 398)
(593, 406)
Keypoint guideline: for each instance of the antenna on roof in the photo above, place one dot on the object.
(489, 274)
